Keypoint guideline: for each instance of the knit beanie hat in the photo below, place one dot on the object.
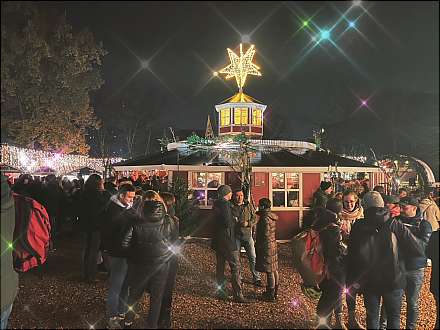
(334, 205)
(223, 190)
(372, 199)
(325, 185)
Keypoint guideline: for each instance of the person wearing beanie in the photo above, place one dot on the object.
(327, 224)
(224, 245)
(412, 218)
(322, 195)
(392, 202)
(377, 247)
(266, 248)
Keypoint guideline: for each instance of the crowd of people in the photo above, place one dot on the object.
(129, 228)
(376, 246)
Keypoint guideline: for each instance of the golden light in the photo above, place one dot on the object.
(241, 66)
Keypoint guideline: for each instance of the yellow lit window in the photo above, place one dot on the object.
(240, 116)
(225, 117)
(256, 117)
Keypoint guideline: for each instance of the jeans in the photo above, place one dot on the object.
(117, 294)
(147, 277)
(167, 300)
(436, 302)
(249, 246)
(414, 281)
(330, 298)
(5, 317)
(392, 301)
(89, 258)
(233, 260)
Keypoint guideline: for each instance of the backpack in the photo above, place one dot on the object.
(31, 233)
(373, 259)
(308, 258)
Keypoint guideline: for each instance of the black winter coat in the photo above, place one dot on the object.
(377, 247)
(266, 243)
(90, 207)
(422, 229)
(223, 241)
(148, 239)
(115, 220)
(330, 236)
(432, 253)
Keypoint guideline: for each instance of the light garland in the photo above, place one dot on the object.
(30, 161)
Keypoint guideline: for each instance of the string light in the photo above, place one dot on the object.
(29, 160)
(241, 66)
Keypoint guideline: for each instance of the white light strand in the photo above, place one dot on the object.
(30, 161)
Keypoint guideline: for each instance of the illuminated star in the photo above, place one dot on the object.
(241, 66)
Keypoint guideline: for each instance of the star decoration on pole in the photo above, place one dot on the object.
(241, 66)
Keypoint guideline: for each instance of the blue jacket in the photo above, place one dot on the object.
(422, 230)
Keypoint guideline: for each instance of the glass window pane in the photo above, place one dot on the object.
(212, 196)
(214, 180)
(244, 115)
(225, 118)
(256, 117)
(199, 179)
(237, 116)
(200, 196)
(278, 198)
(292, 180)
(292, 198)
(277, 180)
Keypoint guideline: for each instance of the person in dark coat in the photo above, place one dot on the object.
(167, 300)
(224, 244)
(92, 202)
(266, 248)
(375, 264)
(116, 218)
(322, 195)
(432, 253)
(147, 241)
(328, 224)
(9, 278)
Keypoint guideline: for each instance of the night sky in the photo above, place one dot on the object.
(391, 58)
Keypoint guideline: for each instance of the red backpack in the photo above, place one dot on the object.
(31, 233)
(308, 257)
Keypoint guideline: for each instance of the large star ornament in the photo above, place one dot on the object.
(241, 66)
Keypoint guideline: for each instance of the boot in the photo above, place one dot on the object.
(339, 322)
(353, 322)
(240, 298)
(276, 291)
(269, 294)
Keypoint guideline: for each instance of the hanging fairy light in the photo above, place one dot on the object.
(29, 160)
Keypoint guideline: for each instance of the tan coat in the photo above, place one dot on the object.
(430, 212)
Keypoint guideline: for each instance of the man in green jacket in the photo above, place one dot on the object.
(9, 276)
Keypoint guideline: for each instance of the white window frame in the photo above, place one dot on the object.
(206, 189)
(300, 193)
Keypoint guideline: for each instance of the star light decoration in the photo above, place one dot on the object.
(241, 65)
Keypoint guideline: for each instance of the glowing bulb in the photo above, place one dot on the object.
(325, 34)
(346, 290)
(145, 64)
(10, 246)
(245, 38)
(351, 24)
(215, 74)
(305, 24)
(364, 103)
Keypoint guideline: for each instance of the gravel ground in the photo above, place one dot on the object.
(55, 298)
